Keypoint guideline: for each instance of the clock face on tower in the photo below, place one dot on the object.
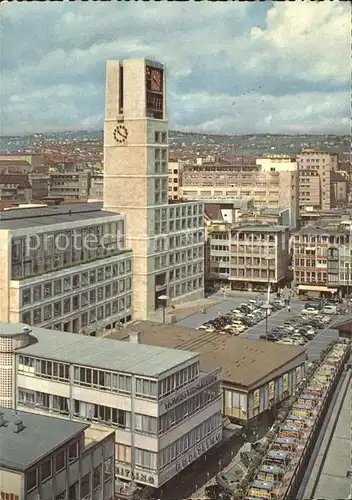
(120, 134)
(154, 92)
(155, 80)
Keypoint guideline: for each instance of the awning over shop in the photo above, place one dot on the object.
(313, 288)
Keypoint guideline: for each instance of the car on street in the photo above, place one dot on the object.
(228, 481)
(216, 492)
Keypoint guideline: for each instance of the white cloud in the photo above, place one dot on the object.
(233, 67)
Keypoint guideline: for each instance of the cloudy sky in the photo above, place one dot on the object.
(235, 67)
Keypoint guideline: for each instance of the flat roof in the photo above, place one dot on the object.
(244, 361)
(260, 228)
(40, 436)
(19, 218)
(11, 329)
(104, 353)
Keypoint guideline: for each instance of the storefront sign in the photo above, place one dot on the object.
(140, 477)
(190, 391)
(285, 382)
(271, 390)
(198, 451)
(256, 399)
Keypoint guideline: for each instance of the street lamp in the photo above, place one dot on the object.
(163, 299)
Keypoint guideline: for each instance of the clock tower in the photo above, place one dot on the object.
(136, 170)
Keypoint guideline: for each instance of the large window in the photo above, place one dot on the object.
(145, 424)
(31, 479)
(103, 380)
(46, 470)
(73, 452)
(60, 461)
(178, 380)
(97, 477)
(85, 486)
(108, 469)
(146, 388)
(146, 459)
(26, 296)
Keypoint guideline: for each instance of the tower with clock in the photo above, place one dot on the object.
(135, 166)
(136, 182)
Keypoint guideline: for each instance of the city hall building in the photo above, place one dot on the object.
(164, 410)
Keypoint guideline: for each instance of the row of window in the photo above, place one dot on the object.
(113, 382)
(76, 281)
(182, 210)
(66, 306)
(174, 450)
(186, 287)
(46, 469)
(188, 408)
(40, 254)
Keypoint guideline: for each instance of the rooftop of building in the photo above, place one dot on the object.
(105, 353)
(260, 228)
(40, 436)
(12, 162)
(11, 329)
(244, 362)
(312, 230)
(20, 180)
(54, 214)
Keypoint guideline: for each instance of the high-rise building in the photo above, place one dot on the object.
(316, 179)
(166, 239)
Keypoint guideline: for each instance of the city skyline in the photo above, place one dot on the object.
(275, 68)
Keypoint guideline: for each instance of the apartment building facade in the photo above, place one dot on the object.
(65, 267)
(40, 185)
(15, 187)
(46, 457)
(316, 179)
(165, 412)
(69, 185)
(278, 189)
(163, 236)
(248, 257)
(322, 261)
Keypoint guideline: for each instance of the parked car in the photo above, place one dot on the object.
(216, 492)
(228, 481)
(330, 309)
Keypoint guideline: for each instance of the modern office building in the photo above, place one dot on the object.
(316, 180)
(69, 185)
(166, 239)
(40, 185)
(322, 260)
(50, 458)
(267, 189)
(248, 257)
(15, 187)
(64, 267)
(164, 410)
